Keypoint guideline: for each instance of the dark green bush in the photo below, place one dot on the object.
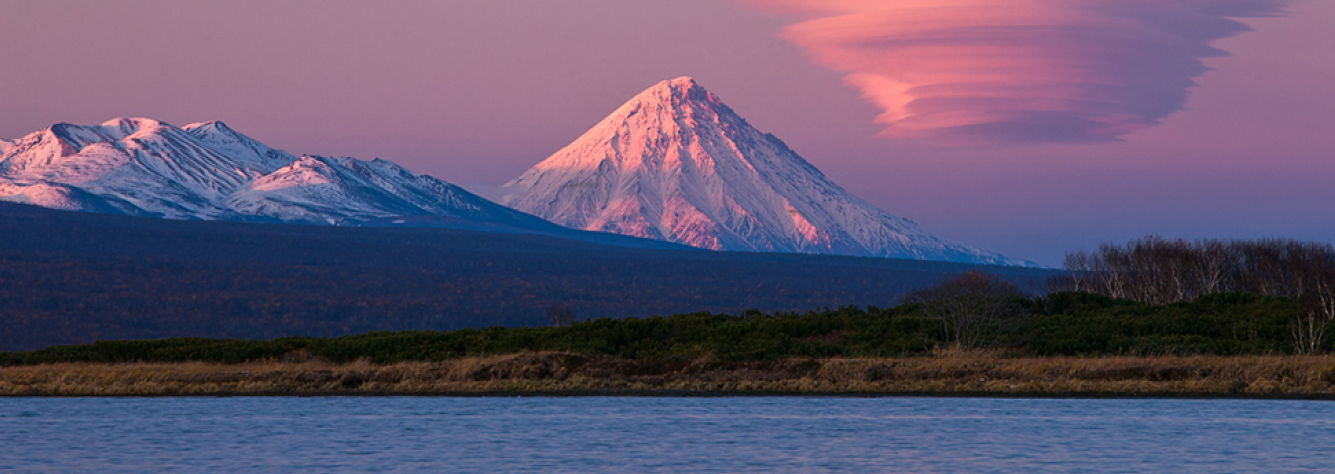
(1228, 324)
(1061, 324)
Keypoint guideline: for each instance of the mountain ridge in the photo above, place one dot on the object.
(209, 171)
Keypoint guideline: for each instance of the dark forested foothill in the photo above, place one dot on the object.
(69, 278)
(171, 291)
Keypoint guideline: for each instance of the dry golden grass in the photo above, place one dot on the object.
(949, 373)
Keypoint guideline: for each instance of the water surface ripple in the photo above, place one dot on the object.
(633, 435)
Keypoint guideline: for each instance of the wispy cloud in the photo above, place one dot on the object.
(1018, 71)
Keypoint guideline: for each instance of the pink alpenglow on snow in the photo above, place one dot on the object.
(984, 72)
(208, 171)
(677, 164)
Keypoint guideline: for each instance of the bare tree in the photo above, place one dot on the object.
(560, 315)
(975, 308)
(1211, 267)
(1313, 286)
(1077, 264)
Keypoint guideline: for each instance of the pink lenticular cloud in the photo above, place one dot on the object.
(1018, 71)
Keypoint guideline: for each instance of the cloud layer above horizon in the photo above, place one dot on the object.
(986, 72)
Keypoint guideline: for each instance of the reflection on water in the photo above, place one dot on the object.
(617, 435)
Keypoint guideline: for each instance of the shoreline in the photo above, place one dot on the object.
(565, 375)
(680, 394)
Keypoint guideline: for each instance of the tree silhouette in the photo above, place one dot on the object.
(976, 309)
(560, 315)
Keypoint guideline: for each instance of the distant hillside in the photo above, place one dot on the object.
(77, 277)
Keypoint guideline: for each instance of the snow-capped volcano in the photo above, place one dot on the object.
(209, 171)
(676, 164)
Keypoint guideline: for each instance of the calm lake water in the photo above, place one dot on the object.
(629, 435)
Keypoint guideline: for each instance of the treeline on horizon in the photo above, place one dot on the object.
(1153, 270)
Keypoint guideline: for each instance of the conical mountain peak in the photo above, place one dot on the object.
(682, 96)
(650, 128)
(683, 81)
(676, 90)
(677, 164)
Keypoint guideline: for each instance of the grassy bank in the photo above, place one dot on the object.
(1065, 344)
(572, 374)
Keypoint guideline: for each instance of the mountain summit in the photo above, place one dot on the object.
(677, 164)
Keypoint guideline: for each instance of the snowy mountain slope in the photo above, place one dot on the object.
(55, 196)
(317, 189)
(140, 166)
(244, 150)
(677, 164)
(209, 171)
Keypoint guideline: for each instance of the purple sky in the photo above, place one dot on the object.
(476, 91)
